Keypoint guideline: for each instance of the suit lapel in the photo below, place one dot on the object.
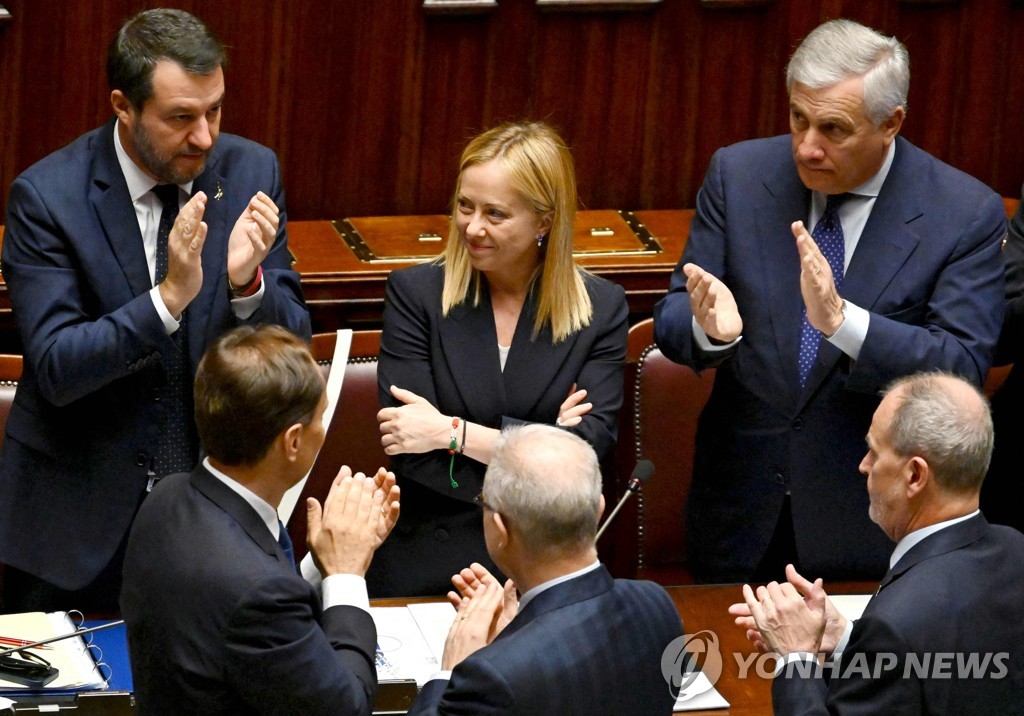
(117, 214)
(532, 364)
(887, 241)
(948, 540)
(885, 245)
(785, 201)
(215, 250)
(574, 591)
(239, 510)
(469, 340)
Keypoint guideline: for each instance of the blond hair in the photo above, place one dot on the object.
(541, 169)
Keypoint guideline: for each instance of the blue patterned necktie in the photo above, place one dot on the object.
(285, 540)
(828, 235)
(176, 451)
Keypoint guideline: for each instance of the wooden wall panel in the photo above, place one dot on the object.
(368, 104)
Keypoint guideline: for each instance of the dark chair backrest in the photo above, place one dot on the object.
(10, 374)
(353, 437)
(658, 422)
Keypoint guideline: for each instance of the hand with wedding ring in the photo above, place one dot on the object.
(184, 256)
(472, 581)
(473, 624)
(817, 285)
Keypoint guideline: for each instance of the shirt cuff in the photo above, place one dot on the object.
(843, 640)
(705, 344)
(309, 572)
(171, 324)
(345, 590)
(792, 657)
(442, 675)
(850, 336)
(248, 305)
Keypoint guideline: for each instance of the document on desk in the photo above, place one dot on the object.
(850, 606)
(410, 640)
(71, 657)
(699, 694)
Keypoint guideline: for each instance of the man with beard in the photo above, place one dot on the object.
(126, 253)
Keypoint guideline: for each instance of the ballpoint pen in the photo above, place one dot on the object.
(11, 641)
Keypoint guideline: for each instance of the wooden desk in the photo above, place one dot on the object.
(704, 607)
(344, 264)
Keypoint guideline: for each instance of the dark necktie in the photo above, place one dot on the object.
(828, 235)
(285, 540)
(175, 449)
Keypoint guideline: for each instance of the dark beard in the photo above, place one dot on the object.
(155, 164)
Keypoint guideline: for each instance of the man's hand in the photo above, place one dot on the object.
(817, 285)
(344, 534)
(785, 621)
(414, 427)
(713, 305)
(384, 483)
(472, 581)
(474, 622)
(184, 256)
(835, 623)
(251, 239)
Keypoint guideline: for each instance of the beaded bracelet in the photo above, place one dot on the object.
(452, 445)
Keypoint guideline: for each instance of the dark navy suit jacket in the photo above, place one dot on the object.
(220, 622)
(928, 269)
(452, 361)
(592, 645)
(87, 415)
(959, 592)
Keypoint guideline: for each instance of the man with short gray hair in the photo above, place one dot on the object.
(943, 633)
(576, 640)
(820, 266)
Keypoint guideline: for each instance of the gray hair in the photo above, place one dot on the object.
(947, 421)
(547, 483)
(841, 49)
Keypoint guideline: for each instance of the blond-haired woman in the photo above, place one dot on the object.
(503, 328)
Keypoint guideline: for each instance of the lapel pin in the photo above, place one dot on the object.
(219, 194)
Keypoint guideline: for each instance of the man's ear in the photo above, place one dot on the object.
(123, 108)
(891, 125)
(290, 440)
(919, 476)
(600, 510)
(502, 530)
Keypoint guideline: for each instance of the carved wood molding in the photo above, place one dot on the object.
(458, 7)
(733, 4)
(596, 5)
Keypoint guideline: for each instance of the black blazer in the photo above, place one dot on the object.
(219, 621)
(453, 362)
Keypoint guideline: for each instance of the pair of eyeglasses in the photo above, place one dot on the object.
(480, 500)
(24, 667)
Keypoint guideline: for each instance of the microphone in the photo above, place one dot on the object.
(643, 472)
